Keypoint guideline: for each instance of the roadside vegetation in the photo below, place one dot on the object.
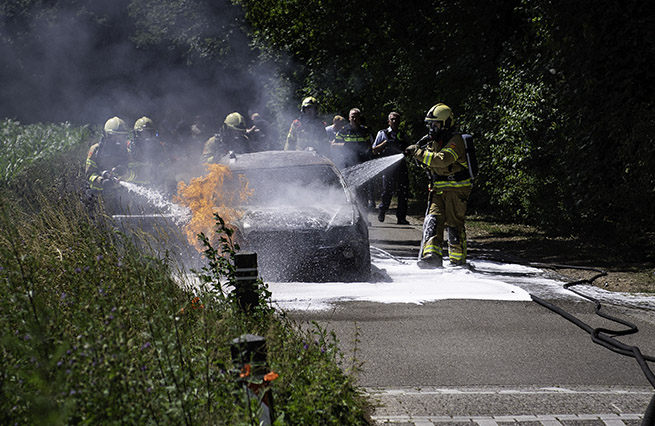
(98, 331)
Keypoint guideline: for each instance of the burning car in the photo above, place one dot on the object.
(301, 218)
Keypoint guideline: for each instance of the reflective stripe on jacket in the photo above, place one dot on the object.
(447, 164)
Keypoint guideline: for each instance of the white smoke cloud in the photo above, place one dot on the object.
(78, 63)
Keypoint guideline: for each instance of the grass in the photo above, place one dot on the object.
(97, 330)
(22, 146)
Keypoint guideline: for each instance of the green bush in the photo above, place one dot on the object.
(517, 150)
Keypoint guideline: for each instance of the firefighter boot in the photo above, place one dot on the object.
(430, 261)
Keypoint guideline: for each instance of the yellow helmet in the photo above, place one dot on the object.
(440, 112)
(144, 123)
(116, 126)
(309, 102)
(235, 121)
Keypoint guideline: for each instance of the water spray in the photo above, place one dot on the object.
(359, 174)
(157, 199)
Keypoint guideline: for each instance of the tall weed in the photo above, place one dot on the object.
(22, 146)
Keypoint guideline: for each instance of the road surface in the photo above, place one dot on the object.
(470, 347)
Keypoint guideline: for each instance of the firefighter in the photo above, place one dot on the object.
(307, 132)
(149, 157)
(232, 137)
(107, 161)
(445, 158)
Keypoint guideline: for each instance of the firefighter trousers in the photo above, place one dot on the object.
(447, 211)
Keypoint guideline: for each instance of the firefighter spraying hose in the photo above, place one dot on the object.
(449, 157)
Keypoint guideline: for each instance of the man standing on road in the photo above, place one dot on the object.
(392, 141)
(445, 157)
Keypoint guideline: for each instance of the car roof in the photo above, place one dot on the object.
(275, 159)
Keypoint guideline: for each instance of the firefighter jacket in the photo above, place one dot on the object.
(225, 142)
(446, 160)
(357, 144)
(306, 133)
(148, 160)
(104, 157)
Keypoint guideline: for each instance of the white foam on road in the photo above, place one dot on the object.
(410, 284)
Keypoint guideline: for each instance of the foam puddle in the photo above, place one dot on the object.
(410, 284)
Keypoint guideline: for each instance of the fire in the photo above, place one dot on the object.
(216, 192)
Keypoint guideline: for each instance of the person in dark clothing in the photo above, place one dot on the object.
(353, 146)
(307, 132)
(392, 141)
(263, 134)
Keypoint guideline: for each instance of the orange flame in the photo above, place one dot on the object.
(216, 192)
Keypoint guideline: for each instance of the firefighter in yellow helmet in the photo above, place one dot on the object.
(149, 158)
(107, 161)
(232, 137)
(443, 152)
(307, 132)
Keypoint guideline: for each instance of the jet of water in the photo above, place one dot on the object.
(359, 174)
(158, 200)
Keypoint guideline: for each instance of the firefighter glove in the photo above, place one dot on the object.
(411, 150)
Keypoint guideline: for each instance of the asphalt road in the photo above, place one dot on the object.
(486, 362)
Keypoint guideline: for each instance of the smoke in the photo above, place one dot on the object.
(91, 60)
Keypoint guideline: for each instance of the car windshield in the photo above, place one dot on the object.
(309, 186)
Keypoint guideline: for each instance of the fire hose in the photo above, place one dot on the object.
(604, 336)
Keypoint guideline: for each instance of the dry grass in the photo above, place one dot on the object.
(626, 271)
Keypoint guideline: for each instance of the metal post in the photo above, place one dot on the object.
(246, 278)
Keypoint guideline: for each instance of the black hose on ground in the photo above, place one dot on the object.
(604, 336)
